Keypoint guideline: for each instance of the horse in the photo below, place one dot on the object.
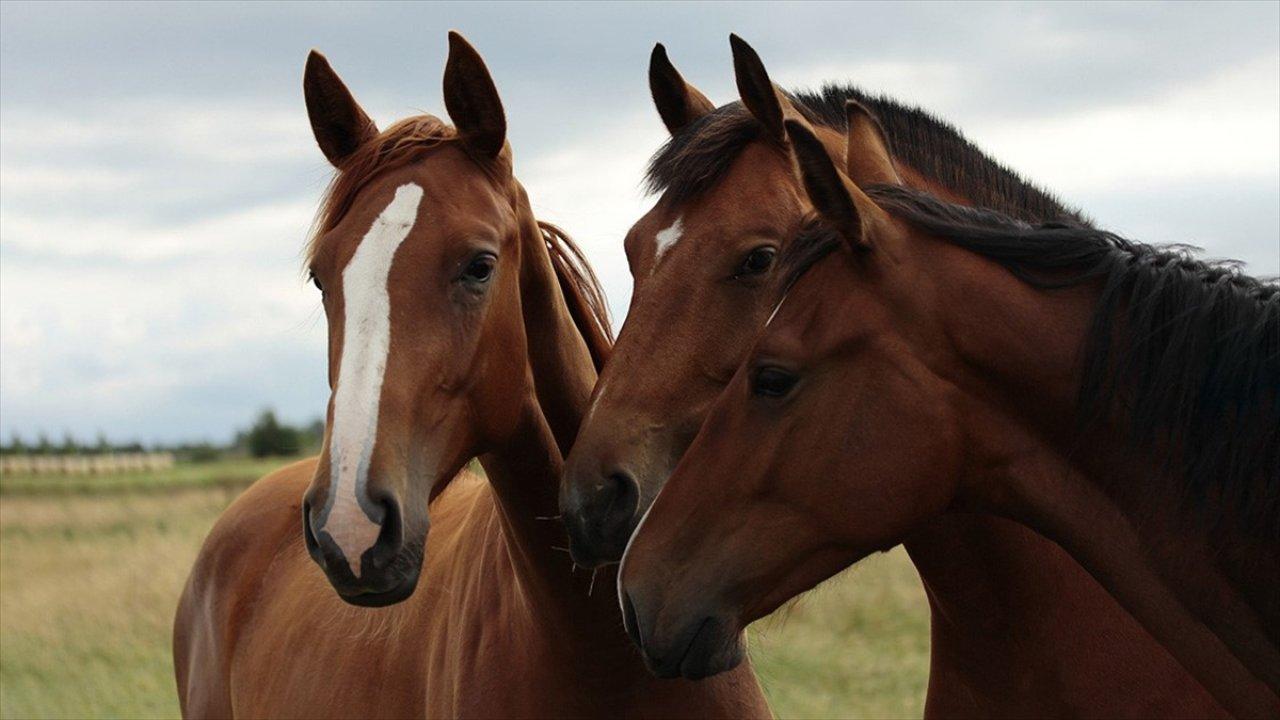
(1018, 628)
(1120, 399)
(459, 327)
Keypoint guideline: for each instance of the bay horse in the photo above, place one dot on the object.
(1018, 627)
(459, 327)
(1120, 399)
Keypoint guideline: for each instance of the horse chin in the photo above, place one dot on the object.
(715, 646)
(382, 598)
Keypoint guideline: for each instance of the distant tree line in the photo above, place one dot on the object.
(267, 436)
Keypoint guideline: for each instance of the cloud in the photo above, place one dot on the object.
(158, 175)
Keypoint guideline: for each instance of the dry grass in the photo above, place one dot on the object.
(88, 586)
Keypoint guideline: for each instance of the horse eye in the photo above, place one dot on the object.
(773, 382)
(315, 280)
(758, 260)
(479, 269)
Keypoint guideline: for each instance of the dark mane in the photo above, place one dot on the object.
(1188, 350)
(814, 241)
(406, 142)
(694, 159)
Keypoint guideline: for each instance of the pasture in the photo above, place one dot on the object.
(90, 574)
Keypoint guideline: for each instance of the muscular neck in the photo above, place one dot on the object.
(1031, 464)
(525, 474)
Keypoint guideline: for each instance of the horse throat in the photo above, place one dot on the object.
(525, 475)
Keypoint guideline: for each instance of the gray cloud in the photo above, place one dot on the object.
(158, 172)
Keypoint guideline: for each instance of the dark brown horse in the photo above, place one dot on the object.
(931, 358)
(1018, 628)
(458, 327)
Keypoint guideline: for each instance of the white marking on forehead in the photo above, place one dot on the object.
(666, 239)
(366, 340)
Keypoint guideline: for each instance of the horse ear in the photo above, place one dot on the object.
(472, 99)
(835, 199)
(868, 159)
(337, 121)
(679, 103)
(758, 92)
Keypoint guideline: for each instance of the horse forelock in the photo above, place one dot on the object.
(400, 144)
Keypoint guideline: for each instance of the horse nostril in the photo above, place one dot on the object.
(390, 536)
(619, 497)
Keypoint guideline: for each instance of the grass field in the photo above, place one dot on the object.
(236, 472)
(89, 582)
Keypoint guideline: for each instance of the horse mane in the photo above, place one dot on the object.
(1187, 350)
(406, 142)
(582, 292)
(694, 159)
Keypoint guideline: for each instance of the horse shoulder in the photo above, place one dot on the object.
(221, 592)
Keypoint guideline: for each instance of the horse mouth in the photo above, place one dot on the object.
(382, 598)
(711, 649)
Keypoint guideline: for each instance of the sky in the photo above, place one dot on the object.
(158, 175)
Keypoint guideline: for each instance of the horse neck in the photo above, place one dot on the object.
(1016, 364)
(525, 473)
(984, 574)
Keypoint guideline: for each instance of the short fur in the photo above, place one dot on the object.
(1190, 348)
(407, 141)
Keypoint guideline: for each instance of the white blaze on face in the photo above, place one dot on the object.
(666, 239)
(366, 339)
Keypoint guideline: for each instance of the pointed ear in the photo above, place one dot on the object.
(337, 121)
(679, 103)
(758, 92)
(868, 159)
(472, 99)
(835, 199)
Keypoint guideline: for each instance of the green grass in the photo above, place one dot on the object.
(856, 647)
(233, 472)
(89, 583)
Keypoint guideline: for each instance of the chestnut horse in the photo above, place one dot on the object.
(1018, 628)
(1120, 399)
(458, 327)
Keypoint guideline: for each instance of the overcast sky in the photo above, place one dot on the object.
(158, 175)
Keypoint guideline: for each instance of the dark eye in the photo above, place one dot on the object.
(758, 261)
(311, 275)
(773, 382)
(479, 269)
